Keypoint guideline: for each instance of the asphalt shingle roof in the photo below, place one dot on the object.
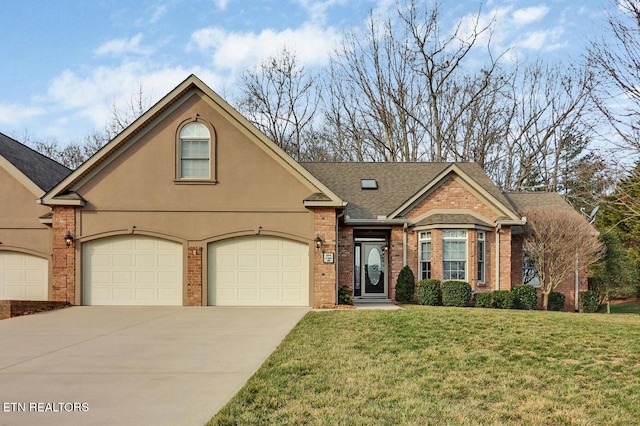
(397, 183)
(522, 201)
(43, 171)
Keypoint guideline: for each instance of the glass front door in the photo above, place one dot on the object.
(372, 269)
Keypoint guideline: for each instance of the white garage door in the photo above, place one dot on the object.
(132, 270)
(258, 271)
(23, 277)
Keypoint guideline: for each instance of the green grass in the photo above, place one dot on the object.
(455, 366)
(622, 308)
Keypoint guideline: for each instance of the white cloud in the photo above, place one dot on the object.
(529, 15)
(86, 100)
(221, 4)
(545, 40)
(235, 51)
(18, 115)
(123, 46)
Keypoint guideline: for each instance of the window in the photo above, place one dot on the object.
(454, 255)
(481, 256)
(529, 271)
(195, 152)
(425, 255)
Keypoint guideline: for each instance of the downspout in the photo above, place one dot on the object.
(576, 294)
(336, 256)
(498, 256)
(404, 245)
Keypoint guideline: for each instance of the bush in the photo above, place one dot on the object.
(589, 301)
(406, 286)
(429, 292)
(345, 295)
(456, 293)
(556, 301)
(502, 299)
(525, 296)
(483, 300)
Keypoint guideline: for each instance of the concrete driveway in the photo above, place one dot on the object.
(132, 365)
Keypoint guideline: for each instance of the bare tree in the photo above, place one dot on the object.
(555, 240)
(279, 98)
(615, 63)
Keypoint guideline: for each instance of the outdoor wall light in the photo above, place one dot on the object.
(385, 248)
(318, 242)
(68, 239)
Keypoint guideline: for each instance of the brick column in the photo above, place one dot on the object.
(194, 276)
(395, 259)
(505, 258)
(324, 290)
(345, 257)
(64, 258)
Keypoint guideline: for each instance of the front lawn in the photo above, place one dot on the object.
(437, 365)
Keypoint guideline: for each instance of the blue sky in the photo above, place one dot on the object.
(66, 62)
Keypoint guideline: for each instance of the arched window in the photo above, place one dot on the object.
(195, 152)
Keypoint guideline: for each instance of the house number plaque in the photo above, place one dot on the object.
(327, 257)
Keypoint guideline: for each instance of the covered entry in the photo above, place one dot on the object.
(132, 270)
(258, 271)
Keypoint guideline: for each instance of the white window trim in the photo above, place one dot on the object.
(482, 240)
(455, 238)
(211, 178)
(424, 237)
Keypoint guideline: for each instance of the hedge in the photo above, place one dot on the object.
(405, 286)
(589, 301)
(525, 296)
(483, 300)
(556, 301)
(502, 299)
(429, 292)
(456, 293)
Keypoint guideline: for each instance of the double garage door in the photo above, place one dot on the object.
(246, 271)
(23, 276)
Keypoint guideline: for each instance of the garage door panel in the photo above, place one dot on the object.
(258, 271)
(23, 276)
(132, 270)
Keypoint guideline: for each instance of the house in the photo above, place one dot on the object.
(192, 205)
(25, 233)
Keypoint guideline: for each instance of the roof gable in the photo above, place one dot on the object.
(474, 179)
(403, 185)
(35, 171)
(145, 123)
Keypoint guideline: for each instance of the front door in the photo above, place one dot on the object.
(373, 270)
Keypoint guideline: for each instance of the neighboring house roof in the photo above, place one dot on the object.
(398, 184)
(522, 201)
(24, 162)
(59, 194)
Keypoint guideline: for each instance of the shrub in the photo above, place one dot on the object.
(525, 296)
(345, 295)
(502, 299)
(556, 301)
(456, 293)
(406, 285)
(483, 300)
(589, 301)
(429, 292)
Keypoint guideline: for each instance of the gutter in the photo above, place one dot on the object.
(376, 222)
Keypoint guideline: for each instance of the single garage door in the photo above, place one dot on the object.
(23, 277)
(258, 271)
(132, 270)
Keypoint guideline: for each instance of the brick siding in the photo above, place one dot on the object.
(194, 276)
(64, 258)
(324, 274)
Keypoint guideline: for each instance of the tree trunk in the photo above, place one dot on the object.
(545, 300)
(608, 306)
